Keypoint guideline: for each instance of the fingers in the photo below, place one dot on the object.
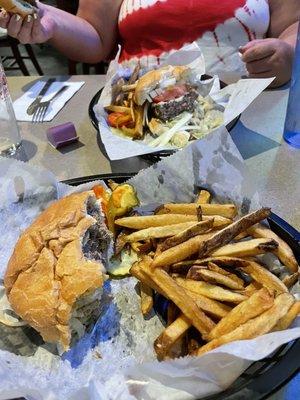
(37, 29)
(260, 67)
(4, 19)
(258, 52)
(26, 30)
(267, 74)
(248, 46)
(14, 25)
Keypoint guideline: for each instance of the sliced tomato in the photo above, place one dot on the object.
(171, 93)
(117, 120)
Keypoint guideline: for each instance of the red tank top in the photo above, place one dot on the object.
(150, 29)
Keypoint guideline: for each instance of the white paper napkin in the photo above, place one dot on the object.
(21, 104)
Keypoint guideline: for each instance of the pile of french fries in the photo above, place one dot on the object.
(206, 262)
(124, 114)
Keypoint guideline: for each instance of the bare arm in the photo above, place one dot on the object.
(274, 56)
(91, 35)
(88, 37)
(284, 20)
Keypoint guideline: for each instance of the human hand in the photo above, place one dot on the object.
(266, 58)
(37, 28)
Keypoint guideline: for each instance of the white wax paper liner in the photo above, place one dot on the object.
(240, 96)
(122, 365)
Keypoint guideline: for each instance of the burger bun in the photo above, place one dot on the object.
(20, 7)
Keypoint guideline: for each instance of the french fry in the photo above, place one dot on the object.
(264, 277)
(252, 307)
(210, 291)
(160, 231)
(288, 318)
(180, 252)
(179, 296)
(247, 248)
(117, 109)
(252, 268)
(148, 221)
(136, 246)
(224, 210)
(112, 184)
(171, 335)
(135, 74)
(172, 313)
(146, 298)
(158, 250)
(210, 306)
(199, 213)
(132, 109)
(138, 113)
(241, 236)
(204, 247)
(120, 243)
(139, 274)
(214, 267)
(203, 197)
(183, 236)
(213, 277)
(291, 280)
(251, 288)
(283, 252)
(260, 325)
(227, 234)
(130, 132)
(139, 247)
(129, 88)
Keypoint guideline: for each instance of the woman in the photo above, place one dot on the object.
(235, 36)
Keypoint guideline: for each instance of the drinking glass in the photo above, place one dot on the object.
(292, 122)
(10, 138)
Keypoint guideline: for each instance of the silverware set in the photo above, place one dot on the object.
(38, 108)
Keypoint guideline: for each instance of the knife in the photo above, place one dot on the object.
(30, 110)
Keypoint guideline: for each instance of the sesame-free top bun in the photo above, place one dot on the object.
(20, 7)
(152, 79)
(53, 265)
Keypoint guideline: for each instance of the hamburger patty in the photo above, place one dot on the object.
(170, 109)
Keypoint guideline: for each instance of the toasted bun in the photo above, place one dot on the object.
(48, 271)
(20, 7)
(152, 79)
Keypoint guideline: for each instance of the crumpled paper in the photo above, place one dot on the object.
(235, 98)
(115, 360)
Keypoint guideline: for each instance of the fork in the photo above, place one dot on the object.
(41, 111)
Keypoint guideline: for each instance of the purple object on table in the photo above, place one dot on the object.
(62, 135)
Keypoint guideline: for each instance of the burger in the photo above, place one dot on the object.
(170, 105)
(21, 7)
(169, 92)
(55, 275)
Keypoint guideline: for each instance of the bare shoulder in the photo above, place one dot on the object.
(283, 14)
(99, 8)
(102, 15)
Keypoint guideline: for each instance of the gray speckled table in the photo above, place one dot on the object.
(258, 135)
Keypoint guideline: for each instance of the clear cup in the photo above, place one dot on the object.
(292, 122)
(10, 139)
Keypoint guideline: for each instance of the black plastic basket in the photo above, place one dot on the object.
(265, 377)
(152, 157)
